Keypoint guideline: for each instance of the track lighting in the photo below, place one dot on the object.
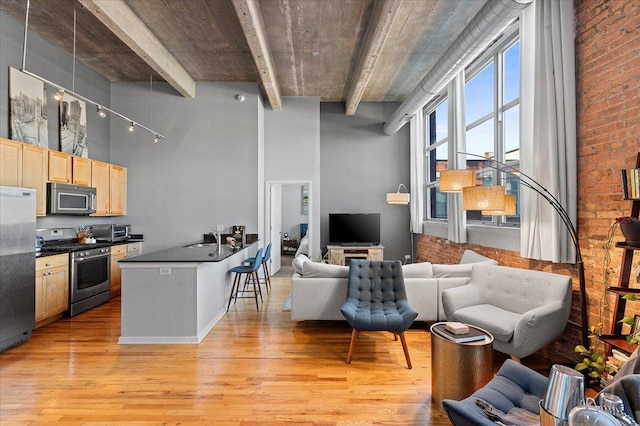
(101, 112)
(132, 126)
(59, 95)
(156, 139)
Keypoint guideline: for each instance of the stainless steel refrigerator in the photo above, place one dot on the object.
(17, 264)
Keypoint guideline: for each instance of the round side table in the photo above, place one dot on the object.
(459, 369)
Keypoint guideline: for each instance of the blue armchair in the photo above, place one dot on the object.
(377, 301)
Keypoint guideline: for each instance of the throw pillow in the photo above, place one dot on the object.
(298, 261)
(417, 270)
(303, 248)
(449, 271)
(324, 270)
(470, 256)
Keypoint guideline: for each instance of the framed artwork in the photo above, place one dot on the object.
(28, 109)
(305, 199)
(73, 126)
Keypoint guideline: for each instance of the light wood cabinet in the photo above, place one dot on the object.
(100, 180)
(81, 171)
(118, 185)
(25, 165)
(10, 163)
(60, 167)
(35, 168)
(52, 286)
(118, 252)
(341, 255)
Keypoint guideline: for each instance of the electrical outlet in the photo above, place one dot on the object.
(407, 257)
(219, 228)
(165, 271)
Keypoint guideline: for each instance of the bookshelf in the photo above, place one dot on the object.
(616, 339)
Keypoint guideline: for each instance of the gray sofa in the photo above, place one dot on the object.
(524, 310)
(319, 290)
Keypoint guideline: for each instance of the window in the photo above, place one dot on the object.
(492, 123)
(437, 153)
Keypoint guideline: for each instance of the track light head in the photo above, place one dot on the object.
(59, 95)
(156, 139)
(132, 126)
(101, 112)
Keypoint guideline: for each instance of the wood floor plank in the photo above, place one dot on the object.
(251, 369)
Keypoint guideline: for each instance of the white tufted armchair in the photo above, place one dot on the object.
(524, 310)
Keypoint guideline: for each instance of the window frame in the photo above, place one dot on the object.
(493, 54)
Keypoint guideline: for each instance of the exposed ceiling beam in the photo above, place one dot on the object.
(384, 12)
(250, 18)
(125, 24)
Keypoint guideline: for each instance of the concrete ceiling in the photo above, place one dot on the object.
(338, 50)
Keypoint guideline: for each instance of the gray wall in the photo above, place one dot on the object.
(292, 153)
(51, 63)
(359, 165)
(205, 173)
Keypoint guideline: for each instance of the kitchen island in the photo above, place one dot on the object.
(177, 295)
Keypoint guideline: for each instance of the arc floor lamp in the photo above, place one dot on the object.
(492, 200)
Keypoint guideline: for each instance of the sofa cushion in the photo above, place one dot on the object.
(417, 270)
(470, 256)
(324, 270)
(499, 322)
(451, 271)
(298, 261)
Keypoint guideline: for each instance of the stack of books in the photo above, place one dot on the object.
(611, 366)
(631, 183)
(458, 332)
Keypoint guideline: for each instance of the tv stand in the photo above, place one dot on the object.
(342, 254)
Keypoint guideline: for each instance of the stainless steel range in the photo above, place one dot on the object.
(89, 268)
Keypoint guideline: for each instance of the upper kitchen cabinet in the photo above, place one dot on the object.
(100, 181)
(118, 185)
(25, 165)
(81, 171)
(60, 165)
(67, 168)
(35, 168)
(10, 163)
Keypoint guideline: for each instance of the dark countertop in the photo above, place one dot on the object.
(207, 253)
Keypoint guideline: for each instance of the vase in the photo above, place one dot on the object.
(631, 232)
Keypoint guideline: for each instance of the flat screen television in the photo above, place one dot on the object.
(354, 228)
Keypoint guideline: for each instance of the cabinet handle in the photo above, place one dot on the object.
(47, 264)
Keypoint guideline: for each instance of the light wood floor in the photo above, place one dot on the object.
(252, 369)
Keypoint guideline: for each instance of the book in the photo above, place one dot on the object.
(472, 336)
(457, 327)
(619, 355)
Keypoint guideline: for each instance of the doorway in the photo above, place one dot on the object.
(288, 207)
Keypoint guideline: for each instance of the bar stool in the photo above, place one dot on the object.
(265, 266)
(251, 276)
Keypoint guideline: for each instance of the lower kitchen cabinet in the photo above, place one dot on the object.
(52, 286)
(118, 252)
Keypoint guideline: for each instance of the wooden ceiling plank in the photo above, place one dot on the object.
(384, 13)
(124, 23)
(250, 17)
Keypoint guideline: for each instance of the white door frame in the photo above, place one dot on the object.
(268, 213)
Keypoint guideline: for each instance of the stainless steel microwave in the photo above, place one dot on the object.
(70, 199)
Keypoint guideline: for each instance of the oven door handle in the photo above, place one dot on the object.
(79, 259)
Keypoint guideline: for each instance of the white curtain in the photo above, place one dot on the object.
(457, 229)
(548, 128)
(416, 206)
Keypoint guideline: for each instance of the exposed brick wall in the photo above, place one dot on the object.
(608, 134)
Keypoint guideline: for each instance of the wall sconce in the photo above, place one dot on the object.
(399, 197)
